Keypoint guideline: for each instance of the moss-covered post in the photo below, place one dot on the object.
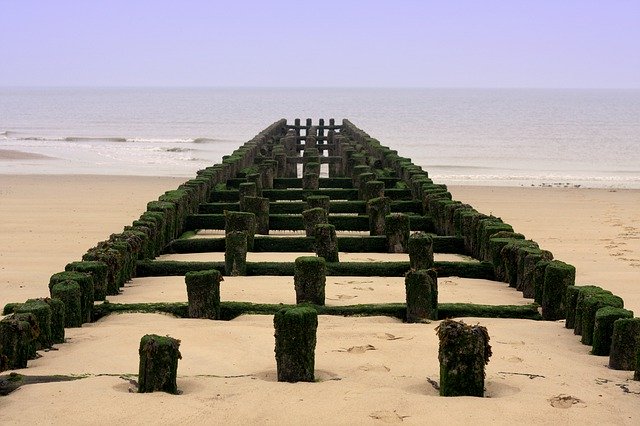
(397, 231)
(590, 308)
(312, 167)
(421, 288)
(326, 242)
(295, 336)
(313, 217)
(86, 290)
(98, 271)
(309, 279)
(361, 182)
(240, 221)
(259, 206)
(158, 370)
(420, 251)
(310, 181)
(257, 180)
(321, 201)
(57, 319)
(235, 253)
(624, 344)
(42, 311)
(267, 171)
(378, 209)
(246, 189)
(464, 351)
(373, 189)
(603, 328)
(17, 335)
(558, 276)
(203, 293)
(584, 293)
(571, 303)
(70, 294)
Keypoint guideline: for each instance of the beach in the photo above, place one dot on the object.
(368, 370)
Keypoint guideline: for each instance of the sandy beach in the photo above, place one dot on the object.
(369, 370)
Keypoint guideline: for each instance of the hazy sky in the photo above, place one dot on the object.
(447, 43)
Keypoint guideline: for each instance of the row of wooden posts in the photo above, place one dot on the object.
(273, 156)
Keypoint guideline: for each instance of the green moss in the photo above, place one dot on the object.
(241, 221)
(259, 206)
(313, 217)
(326, 242)
(295, 336)
(17, 336)
(584, 293)
(98, 271)
(318, 201)
(558, 276)
(397, 230)
(85, 281)
(57, 319)
(235, 255)
(589, 309)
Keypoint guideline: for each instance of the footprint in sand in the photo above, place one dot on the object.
(342, 297)
(358, 349)
(375, 368)
(363, 288)
(564, 401)
(387, 336)
(387, 416)
(515, 359)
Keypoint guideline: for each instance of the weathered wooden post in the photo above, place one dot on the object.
(590, 308)
(259, 206)
(70, 294)
(322, 201)
(397, 231)
(625, 343)
(326, 242)
(420, 251)
(57, 319)
(158, 370)
(86, 289)
(421, 288)
(464, 352)
(312, 167)
(42, 311)
(603, 328)
(372, 189)
(310, 279)
(311, 181)
(295, 336)
(240, 221)
(362, 181)
(17, 335)
(558, 276)
(313, 217)
(246, 189)
(235, 253)
(203, 293)
(257, 179)
(378, 209)
(98, 271)
(266, 173)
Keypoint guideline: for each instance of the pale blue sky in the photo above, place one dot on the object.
(402, 43)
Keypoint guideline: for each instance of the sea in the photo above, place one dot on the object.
(513, 137)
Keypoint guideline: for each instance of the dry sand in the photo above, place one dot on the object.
(369, 370)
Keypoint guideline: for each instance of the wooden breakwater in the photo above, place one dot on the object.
(296, 177)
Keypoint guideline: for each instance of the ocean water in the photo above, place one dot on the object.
(460, 136)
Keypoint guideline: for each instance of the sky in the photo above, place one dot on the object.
(327, 43)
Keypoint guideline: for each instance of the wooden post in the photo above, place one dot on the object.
(158, 370)
(397, 231)
(17, 336)
(624, 344)
(260, 208)
(70, 294)
(420, 251)
(257, 179)
(295, 336)
(203, 293)
(372, 189)
(558, 276)
(246, 189)
(235, 253)
(326, 242)
(321, 201)
(310, 279)
(42, 311)
(313, 217)
(603, 328)
(421, 287)
(241, 221)
(464, 352)
(378, 209)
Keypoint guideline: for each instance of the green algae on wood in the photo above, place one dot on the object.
(310, 279)
(326, 242)
(70, 293)
(421, 288)
(203, 293)
(397, 231)
(603, 328)
(420, 251)
(158, 368)
(558, 276)
(463, 353)
(85, 281)
(295, 343)
(624, 344)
